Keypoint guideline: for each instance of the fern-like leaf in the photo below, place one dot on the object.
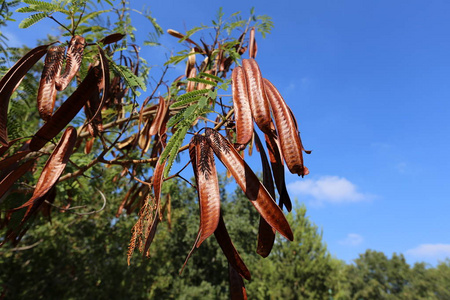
(33, 19)
(214, 77)
(201, 80)
(132, 80)
(186, 101)
(192, 94)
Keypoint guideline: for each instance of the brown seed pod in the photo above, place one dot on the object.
(73, 61)
(242, 111)
(237, 287)
(161, 112)
(277, 164)
(47, 90)
(266, 234)
(202, 160)
(233, 257)
(112, 38)
(253, 48)
(249, 183)
(67, 111)
(190, 64)
(256, 95)
(8, 180)
(51, 172)
(290, 142)
(191, 84)
(10, 81)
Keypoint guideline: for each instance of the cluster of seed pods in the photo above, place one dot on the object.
(255, 99)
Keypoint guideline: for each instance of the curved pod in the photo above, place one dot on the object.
(291, 145)
(242, 111)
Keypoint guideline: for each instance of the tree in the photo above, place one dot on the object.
(303, 269)
(61, 156)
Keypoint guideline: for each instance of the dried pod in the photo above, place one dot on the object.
(112, 38)
(202, 160)
(256, 95)
(249, 183)
(50, 74)
(158, 121)
(67, 111)
(242, 111)
(73, 61)
(266, 234)
(276, 162)
(51, 172)
(191, 84)
(253, 47)
(190, 64)
(290, 142)
(8, 180)
(9, 82)
(237, 287)
(233, 257)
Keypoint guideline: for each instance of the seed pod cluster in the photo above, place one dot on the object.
(251, 90)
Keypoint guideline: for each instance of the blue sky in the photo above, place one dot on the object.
(369, 84)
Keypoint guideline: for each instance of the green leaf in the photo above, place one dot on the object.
(33, 19)
(185, 101)
(211, 76)
(201, 80)
(132, 80)
(192, 94)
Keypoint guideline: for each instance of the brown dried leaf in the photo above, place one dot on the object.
(242, 111)
(9, 82)
(157, 185)
(291, 145)
(257, 95)
(249, 183)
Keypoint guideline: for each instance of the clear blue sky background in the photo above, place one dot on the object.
(369, 84)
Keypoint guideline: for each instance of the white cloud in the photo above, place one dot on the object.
(13, 39)
(433, 251)
(352, 239)
(331, 189)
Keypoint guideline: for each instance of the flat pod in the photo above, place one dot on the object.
(249, 183)
(52, 170)
(47, 89)
(9, 82)
(233, 257)
(67, 111)
(291, 145)
(242, 111)
(202, 160)
(73, 61)
(257, 96)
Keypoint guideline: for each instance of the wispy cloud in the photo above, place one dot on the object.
(13, 40)
(430, 251)
(330, 189)
(352, 239)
